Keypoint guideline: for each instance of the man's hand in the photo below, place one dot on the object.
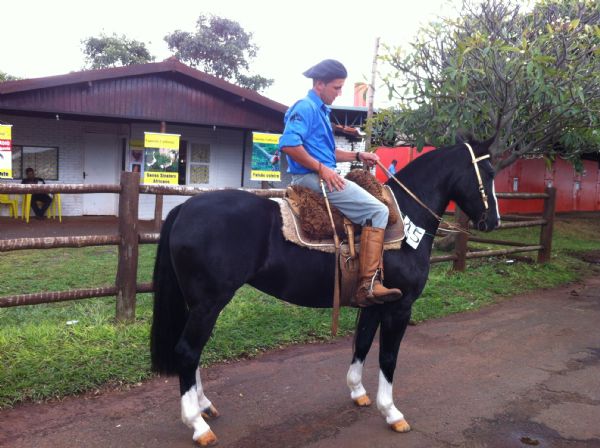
(332, 179)
(369, 158)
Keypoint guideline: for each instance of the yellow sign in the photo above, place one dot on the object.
(5, 131)
(161, 158)
(265, 175)
(136, 144)
(158, 140)
(265, 164)
(6, 151)
(258, 137)
(155, 177)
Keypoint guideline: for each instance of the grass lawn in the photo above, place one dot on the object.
(49, 351)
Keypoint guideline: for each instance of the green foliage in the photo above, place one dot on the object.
(6, 77)
(220, 47)
(532, 78)
(114, 51)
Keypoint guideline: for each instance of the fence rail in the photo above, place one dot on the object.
(129, 238)
(546, 223)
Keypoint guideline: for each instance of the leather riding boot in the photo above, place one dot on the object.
(370, 289)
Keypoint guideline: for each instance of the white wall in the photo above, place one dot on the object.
(67, 135)
(343, 143)
(225, 163)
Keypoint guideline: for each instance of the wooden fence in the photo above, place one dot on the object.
(129, 239)
(544, 248)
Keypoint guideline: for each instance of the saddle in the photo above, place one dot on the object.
(306, 223)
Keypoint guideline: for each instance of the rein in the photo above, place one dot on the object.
(336, 278)
(452, 227)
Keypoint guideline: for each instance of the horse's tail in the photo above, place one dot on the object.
(170, 311)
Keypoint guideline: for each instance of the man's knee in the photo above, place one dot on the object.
(380, 217)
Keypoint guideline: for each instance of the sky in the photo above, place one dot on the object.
(43, 38)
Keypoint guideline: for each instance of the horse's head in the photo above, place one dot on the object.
(474, 187)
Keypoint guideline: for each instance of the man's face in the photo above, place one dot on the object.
(30, 174)
(328, 92)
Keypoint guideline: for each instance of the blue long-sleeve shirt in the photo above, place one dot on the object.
(307, 123)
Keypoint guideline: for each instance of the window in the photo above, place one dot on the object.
(199, 163)
(43, 159)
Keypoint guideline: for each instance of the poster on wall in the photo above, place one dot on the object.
(265, 157)
(136, 156)
(161, 158)
(6, 151)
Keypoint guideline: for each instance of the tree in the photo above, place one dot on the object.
(220, 47)
(114, 51)
(6, 77)
(531, 78)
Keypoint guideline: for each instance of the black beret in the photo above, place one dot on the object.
(327, 70)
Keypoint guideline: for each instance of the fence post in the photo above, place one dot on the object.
(158, 209)
(128, 247)
(462, 239)
(546, 231)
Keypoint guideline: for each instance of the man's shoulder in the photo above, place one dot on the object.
(304, 105)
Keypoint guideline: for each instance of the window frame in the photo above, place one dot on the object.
(21, 147)
(191, 164)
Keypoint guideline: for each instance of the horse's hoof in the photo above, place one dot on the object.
(363, 400)
(400, 426)
(210, 413)
(207, 439)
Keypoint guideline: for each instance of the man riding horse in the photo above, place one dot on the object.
(310, 149)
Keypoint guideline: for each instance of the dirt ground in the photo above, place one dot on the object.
(523, 372)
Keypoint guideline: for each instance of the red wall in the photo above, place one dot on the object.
(574, 192)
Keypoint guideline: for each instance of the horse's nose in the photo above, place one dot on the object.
(482, 226)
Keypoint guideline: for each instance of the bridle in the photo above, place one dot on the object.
(475, 161)
(453, 227)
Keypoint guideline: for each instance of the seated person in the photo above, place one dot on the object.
(38, 198)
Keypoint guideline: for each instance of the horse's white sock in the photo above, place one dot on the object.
(385, 401)
(191, 413)
(203, 402)
(354, 380)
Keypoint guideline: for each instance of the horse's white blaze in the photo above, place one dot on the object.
(354, 380)
(191, 413)
(385, 401)
(203, 402)
(496, 200)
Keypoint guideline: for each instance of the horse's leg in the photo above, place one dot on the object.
(209, 412)
(393, 326)
(194, 404)
(368, 322)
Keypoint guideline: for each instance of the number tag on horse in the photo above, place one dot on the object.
(414, 234)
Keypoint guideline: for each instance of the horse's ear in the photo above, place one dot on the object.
(484, 146)
(463, 136)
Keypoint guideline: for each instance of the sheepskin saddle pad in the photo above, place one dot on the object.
(306, 221)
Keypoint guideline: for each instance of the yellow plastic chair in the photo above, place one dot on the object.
(13, 205)
(25, 207)
(55, 208)
(53, 211)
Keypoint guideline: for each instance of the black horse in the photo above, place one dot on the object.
(215, 242)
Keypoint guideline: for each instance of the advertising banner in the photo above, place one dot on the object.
(265, 157)
(161, 158)
(6, 151)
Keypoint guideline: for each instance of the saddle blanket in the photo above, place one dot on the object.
(292, 231)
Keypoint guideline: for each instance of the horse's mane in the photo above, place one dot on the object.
(462, 138)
